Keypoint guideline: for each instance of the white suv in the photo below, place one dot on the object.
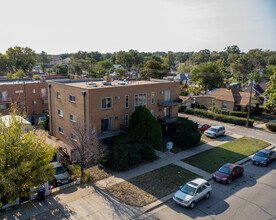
(215, 131)
(192, 192)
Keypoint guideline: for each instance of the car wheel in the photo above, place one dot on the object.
(223, 133)
(192, 205)
(229, 181)
(207, 196)
(214, 136)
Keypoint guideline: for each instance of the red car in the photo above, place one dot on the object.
(203, 127)
(228, 172)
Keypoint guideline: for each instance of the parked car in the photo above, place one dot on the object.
(192, 192)
(215, 131)
(264, 157)
(61, 176)
(203, 127)
(228, 172)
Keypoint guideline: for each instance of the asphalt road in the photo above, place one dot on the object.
(235, 129)
(252, 196)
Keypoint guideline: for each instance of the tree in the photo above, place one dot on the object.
(43, 60)
(154, 69)
(24, 159)
(234, 49)
(61, 69)
(210, 73)
(144, 128)
(84, 142)
(21, 58)
(3, 63)
(270, 105)
(18, 75)
(184, 133)
(121, 72)
(170, 59)
(185, 67)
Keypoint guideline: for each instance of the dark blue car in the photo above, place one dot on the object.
(263, 157)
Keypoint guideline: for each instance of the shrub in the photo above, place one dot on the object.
(181, 108)
(75, 171)
(239, 114)
(219, 117)
(184, 133)
(271, 126)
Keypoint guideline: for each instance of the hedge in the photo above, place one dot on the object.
(271, 126)
(181, 108)
(238, 114)
(231, 113)
(219, 117)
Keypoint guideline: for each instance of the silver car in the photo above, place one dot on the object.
(61, 176)
(215, 131)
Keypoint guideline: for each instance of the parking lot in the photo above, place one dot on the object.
(250, 197)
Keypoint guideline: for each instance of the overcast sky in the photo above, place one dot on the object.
(64, 26)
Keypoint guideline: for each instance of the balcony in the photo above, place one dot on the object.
(43, 96)
(167, 120)
(6, 100)
(170, 103)
(108, 134)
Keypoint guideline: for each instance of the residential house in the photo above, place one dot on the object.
(184, 78)
(231, 99)
(187, 100)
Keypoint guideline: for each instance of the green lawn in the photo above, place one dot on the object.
(176, 149)
(230, 152)
(148, 187)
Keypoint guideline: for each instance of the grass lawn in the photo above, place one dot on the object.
(176, 149)
(230, 152)
(148, 187)
(99, 172)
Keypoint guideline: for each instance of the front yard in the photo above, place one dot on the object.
(230, 152)
(176, 149)
(148, 187)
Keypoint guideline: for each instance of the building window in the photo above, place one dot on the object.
(19, 91)
(72, 98)
(58, 95)
(60, 130)
(106, 103)
(224, 105)
(45, 102)
(73, 118)
(60, 113)
(152, 112)
(127, 101)
(127, 120)
(4, 106)
(34, 102)
(45, 111)
(152, 97)
(4, 95)
(34, 91)
(43, 91)
(140, 100)
(73, 137)
(106, 125)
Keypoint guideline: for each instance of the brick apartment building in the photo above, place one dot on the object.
(108, 105)
(30, 96)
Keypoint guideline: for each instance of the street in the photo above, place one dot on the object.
(252, 196)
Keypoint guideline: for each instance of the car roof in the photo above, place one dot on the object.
(196, 182)
(57, 164)
(265, 151)
(230, 165)
(217, 126)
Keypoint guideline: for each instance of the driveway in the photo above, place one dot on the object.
(249, 197)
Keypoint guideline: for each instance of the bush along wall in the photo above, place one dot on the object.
(271, 126)
(219, 117)
(181, 108)
(231, 113)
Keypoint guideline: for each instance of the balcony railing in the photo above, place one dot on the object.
(167, 119)
(108, 134)
(169, 103)
(44, 96)
(5, 100)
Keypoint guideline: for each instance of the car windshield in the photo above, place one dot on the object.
(200, 126)
(262, 154)
(60, 170)
(212, 129)
(188, 190)
(225, 170)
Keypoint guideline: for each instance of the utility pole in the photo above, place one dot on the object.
(25, 104)
(249, 106)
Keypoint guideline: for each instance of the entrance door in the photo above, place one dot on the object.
(106, 125)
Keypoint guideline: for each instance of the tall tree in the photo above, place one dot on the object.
(24, 159)
(3, 63)
(271, 93)
(234, 49)
(21, 58)
(43, 60)
(170, 58)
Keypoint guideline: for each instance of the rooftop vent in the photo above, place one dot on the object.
(106, 83)
(92, 84)
(121, 83)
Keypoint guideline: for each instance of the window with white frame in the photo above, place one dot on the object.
(152, 112)
(19, 91)
(43, 91)
(127, 101)
(152, 97)
(34, 102)
(73, 137)
(73, 118)
(60, 130)
(106, 103)
(127, 120)
(34, 91)
(72, 98)
(58, 95)
(140, 100)
(60, 113)
(224, 105)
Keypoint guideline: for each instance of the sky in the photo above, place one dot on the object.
(68, 26)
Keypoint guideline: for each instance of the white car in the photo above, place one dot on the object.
(192, 192)
(215, 131)
(61, 175)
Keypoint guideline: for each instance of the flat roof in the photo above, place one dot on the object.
(19, 82)
(102, 84)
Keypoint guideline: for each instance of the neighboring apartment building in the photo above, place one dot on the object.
(108, 105)
(231, 99)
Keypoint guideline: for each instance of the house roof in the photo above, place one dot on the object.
(7, 119)
(183, 76)
(185, 98)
